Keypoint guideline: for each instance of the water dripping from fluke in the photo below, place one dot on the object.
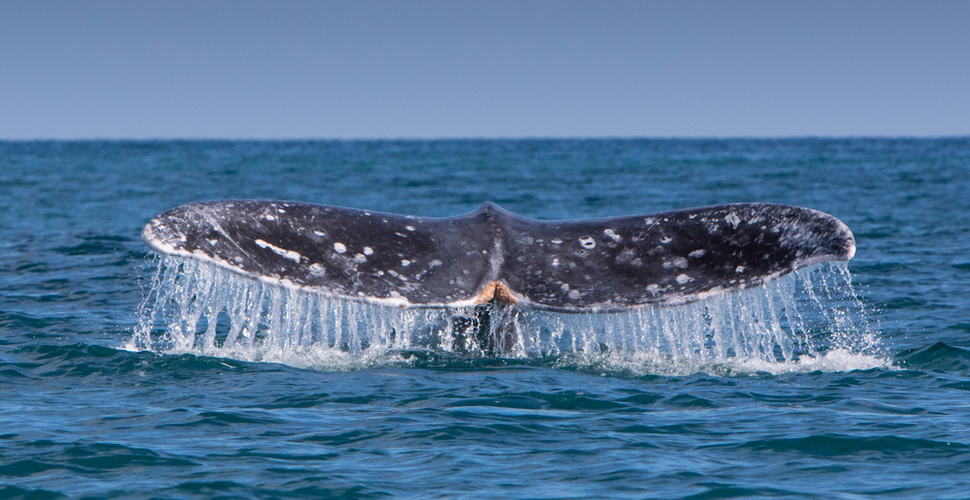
(808, 320)
(738, 285)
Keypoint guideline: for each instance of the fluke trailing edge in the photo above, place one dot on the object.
(492, 256)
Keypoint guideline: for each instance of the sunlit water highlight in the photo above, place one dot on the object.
(808, 320)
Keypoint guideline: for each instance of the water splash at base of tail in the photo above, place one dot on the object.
(808, 320)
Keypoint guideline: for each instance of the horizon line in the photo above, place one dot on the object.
(486, 138)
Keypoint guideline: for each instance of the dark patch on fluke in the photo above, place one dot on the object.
(494, 257)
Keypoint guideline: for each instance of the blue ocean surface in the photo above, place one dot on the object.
(871, 399)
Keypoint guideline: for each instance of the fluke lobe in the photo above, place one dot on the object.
(497, 258)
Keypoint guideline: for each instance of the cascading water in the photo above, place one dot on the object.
(801, 321)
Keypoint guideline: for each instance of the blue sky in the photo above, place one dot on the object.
(426, 69)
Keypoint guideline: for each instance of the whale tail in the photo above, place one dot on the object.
(499, 265)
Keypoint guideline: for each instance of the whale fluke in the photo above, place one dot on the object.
(492, 256)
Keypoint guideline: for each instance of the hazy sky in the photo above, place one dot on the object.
(420, 69)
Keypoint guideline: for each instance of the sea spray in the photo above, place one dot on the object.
(795, 322)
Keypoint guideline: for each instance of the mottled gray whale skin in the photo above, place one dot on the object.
(494, 256)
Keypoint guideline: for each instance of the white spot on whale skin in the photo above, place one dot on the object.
(405, 263)
(683, 278)
(696, 254)
(565, 287)
(733, 220)
(269, 217)
(360, 258)
(319, 233)
(625, 256)
(612, 235)
(574, 294)
(409, 228)
(317, 270)
(654, 288)
(587, 242)
(679, 263)
(368, 251)
(739, 269)
(339, 247)
(556, 242)
(555, 262)
(282, 252)
(666, 239)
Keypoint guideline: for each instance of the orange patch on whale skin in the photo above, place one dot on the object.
(496, 290)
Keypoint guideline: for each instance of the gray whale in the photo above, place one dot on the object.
(494, 257)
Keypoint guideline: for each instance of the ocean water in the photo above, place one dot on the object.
(864, 393)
